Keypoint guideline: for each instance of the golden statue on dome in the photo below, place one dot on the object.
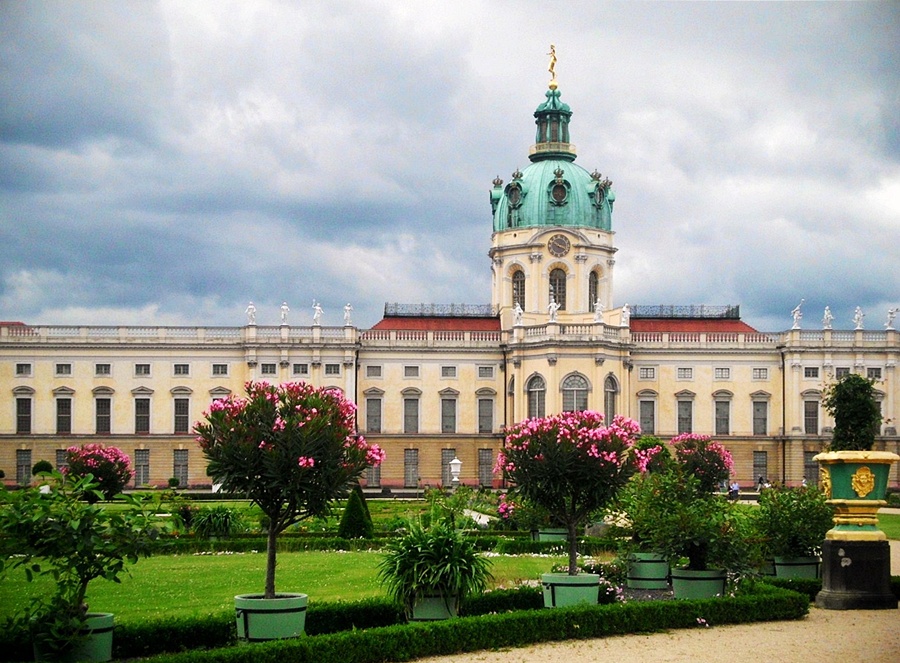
(552, 66)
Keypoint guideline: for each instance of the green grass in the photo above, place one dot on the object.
(184, 585)
(889, 523)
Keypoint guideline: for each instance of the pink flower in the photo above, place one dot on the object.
(304, 461)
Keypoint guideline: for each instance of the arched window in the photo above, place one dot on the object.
(518, 288)
(610, 390)
(536, 390)
(593, 280)
(558, 287)
(575, 393)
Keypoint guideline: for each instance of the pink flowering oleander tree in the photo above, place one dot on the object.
(110, 467)
(292, 449)
(699, 456)
(570, 464)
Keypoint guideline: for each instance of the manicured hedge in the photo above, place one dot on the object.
(510, 629)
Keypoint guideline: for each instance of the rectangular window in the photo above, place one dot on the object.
(485, 468)
(373, 476)
(811, 417)
(373, 371)
(220, 369)
(23, 467)
(373, 415)
(23, 370)
(485, 415)
(142, 369)
(648, 417)
(811, 372)
(62, 459)
(63, 416)
(182, 416)
(448, 415)
(685, 373)
(760, 373)
(141, 467)
(486, 372)
(268, 369)
(873, 373)
(410, 415)
(723, 423)
(301, 369)
(142, 416)
(446, 476)
(64, 369)
(103, 415)
(685, 417)
(411, 468)
(410, 371)
(448, 371)
(810, 468)
(760, 418)
(180, 466)
(647, 373)
(23, 416)
(181, 369)
(102, 369)
(722, 374)
(332, 369)
(841, 372)
(761, 466)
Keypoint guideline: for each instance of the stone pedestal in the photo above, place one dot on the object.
(856, 576)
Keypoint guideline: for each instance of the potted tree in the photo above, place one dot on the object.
(570, 465)
(430, 570)
(292, 450)
(647, 568)
(65, 535)
(791, 523)
(854, 477)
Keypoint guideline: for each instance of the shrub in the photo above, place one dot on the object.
(109, 466)
(40, 467)
(793, 521)
(857, 415)
(218, 520)
(356, 523)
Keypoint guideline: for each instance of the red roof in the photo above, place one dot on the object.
(690, 325)
(440, 324)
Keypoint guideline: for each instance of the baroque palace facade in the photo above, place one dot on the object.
(437, 382)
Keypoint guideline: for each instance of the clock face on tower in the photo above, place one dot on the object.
(559, 245)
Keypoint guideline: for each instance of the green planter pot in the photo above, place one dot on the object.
(259, 619)
(647, 571)
(550, 534)
(855, 482)
(96, 647)
(797, 567)
(561, 589)
(767, 568)
(688, 584)
(434, 607)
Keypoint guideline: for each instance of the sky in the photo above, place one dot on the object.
(165, 163)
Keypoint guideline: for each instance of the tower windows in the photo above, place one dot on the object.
(537, 390)
(518, 288)
(593, 290)
(558, 287)
(610, 390)
(575, 393)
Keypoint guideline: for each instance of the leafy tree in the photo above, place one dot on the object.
(110, 467)
(857, 416)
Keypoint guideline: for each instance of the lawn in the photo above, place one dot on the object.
(184, 585)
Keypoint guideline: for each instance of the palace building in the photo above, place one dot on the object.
(437, 382)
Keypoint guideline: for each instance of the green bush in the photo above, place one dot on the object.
(218, 520)
(356, 522)
(41, 466)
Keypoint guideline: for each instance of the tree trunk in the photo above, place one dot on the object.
(573, 549)
(270, 562)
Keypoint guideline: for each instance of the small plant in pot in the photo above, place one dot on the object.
(292, 450)
(571, 465)
(430, 570)
(65, 535)
(792, 523)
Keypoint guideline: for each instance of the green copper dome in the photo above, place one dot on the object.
(553, 190)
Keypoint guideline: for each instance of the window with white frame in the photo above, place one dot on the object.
(761, 466)
(62, 459)
(142, 370)
(760, 373)
(518, 288)
(142, 416)
(873, 373)
(268, 369)
(486, 372)
(23, 415)
(811, 372)
(723, 416)
(647, 416)
(180, 466)
(647, 373)
(684, 373)
(811, 417)
(760, 417)
(373, 414)
(841, 372)
(448, 371)
(485, 468)
(411, 414)
(558, 287)
(103, 415)
(181, 369)
(685, 416)
(536, 389)
(23, 467)
(23, 370)
(448, 414)
(332, 369)
(220, 370)
(610, 394)
(182, 416)
(593, 289)
(63, 369)
(63, 416)
(485, 414)
(300, 369)
(410, 468)
(141, 467)
(575, 393)
(102, 369)
(410, 371)
(722, 373)
(373, 371)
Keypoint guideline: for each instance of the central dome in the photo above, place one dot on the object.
(553, 190)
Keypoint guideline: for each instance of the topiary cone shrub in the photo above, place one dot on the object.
(354, 522)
